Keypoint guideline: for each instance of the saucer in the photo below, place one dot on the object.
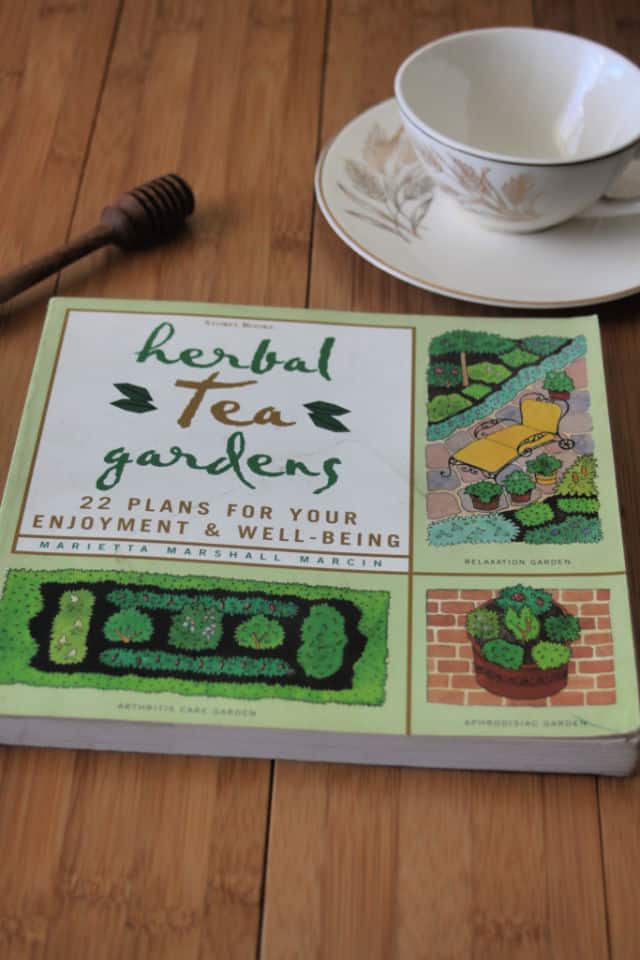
(381, 202)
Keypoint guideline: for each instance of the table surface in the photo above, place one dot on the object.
(114, 856)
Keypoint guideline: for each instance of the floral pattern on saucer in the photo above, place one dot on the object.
(587, 260)
(514, 200)
(388, 185)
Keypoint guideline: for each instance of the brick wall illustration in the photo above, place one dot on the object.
(450, 670)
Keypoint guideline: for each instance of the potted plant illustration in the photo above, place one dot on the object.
(544, 468)
(485, 494)
(521, 643)
(519, 486)
(558, 384)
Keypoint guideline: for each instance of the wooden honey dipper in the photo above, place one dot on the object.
(142, 217)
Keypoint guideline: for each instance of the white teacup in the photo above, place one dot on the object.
(525, 128)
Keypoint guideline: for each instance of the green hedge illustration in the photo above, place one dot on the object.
(579, 504)
(547, 656)
(198, 626)
(579, 480)
(209, 666)
(487, 372)
(564, 629)
(323, 642)
(518, 357)
(443, 374)
(22, 601)
(476, 391)
(542, 345)
(503, 653)
(454, 530)
(534, 515)
(470, 341)
(499, 398)
(68, 642)
(523, 624)
(575, 529)
(445, 405)
(483, 624)
(520, 598)
(259, 633)
(128, 626)
(231, 605)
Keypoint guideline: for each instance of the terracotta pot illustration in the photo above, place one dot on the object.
(489, 505)
(527, 683)
(546, 480)
(521, 643)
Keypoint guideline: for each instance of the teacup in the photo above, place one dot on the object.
(524, 128)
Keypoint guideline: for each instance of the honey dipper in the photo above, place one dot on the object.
(144, 216)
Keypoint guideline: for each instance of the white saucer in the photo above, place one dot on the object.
(379, 200)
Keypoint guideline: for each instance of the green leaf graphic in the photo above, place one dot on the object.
(134, 392)
(137, 399)
(322, 406)
(324, 415)
(523, 624)
(132, 406)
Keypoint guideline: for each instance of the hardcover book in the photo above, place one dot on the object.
(316, 535)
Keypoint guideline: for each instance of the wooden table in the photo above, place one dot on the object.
(108, 856)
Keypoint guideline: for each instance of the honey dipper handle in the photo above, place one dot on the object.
(24, 277)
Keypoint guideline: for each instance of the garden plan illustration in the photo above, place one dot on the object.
(510, 445)
(195, 635)
(261, 517)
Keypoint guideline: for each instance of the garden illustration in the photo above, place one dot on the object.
(193, 635)
(510, 452)
(520, 645)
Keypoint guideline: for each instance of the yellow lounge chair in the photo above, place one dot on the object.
(539, 420)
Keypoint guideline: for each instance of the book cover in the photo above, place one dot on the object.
(277, 519)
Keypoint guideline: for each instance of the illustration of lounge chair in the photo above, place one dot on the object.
(490, 453)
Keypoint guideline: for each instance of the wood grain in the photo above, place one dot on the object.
(140, 218)
(382, 864)
(620, 802)
(620, 815)
(239, 123)
(51, 54)
(617, 24)
(130, 856)
(146, 856)
(45, 53)
(239, 120)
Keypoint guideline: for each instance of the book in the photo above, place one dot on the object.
(348, 537)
